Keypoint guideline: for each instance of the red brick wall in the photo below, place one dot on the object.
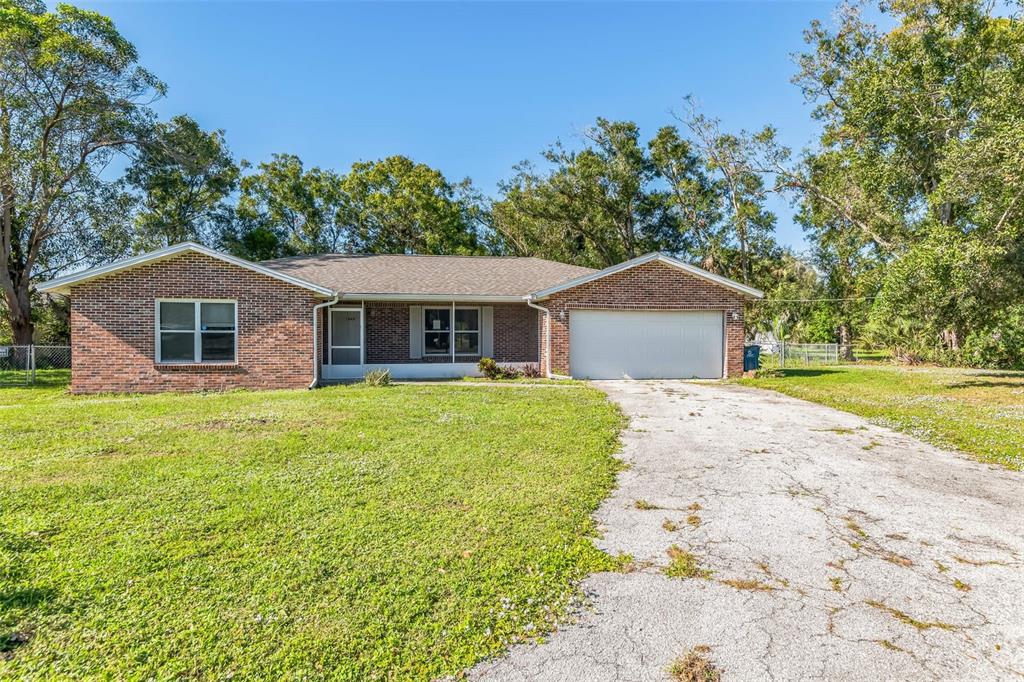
(387, 333)
(650, 286)
(113, 329)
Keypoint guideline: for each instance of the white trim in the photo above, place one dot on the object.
(433, 298)
(62, 285)
(668, 260)
(414, 370)
(196, 331)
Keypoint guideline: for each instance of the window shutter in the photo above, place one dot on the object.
(415, 332)
(487, 331)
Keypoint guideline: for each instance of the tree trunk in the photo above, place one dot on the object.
(19, 310)
(845, 346)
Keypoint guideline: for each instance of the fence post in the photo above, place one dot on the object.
(32, 355)
(782, 354)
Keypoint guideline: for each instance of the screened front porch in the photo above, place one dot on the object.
(425, 339)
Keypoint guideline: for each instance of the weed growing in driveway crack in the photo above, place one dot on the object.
(683, 564)
(909, 620)
(695, 666)
(898, 559)
(670, 525)
(644, 504)
(837, 583)
(747, 584)
(852, 525)
(961, 585)
(975, 562)
(695, 507)
(886, 644)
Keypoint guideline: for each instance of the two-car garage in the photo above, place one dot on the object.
(646, 344)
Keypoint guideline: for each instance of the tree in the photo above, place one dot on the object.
(71, 96)
(920, 161)
(396, 205)
(597, 206)
(184, 176)
(732, 159)
(300, 208)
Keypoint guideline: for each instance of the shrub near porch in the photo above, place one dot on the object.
(351, 533)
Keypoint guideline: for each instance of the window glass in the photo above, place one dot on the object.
(437, 319)
(217, 316)
(218, 346)
(437, 342)
(467, 343)
(345, 356)
(175, 315)
(180, 341)
(177, 347)
(467, 319)
(345, 328)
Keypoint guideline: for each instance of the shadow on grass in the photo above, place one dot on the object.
(801, 372)
(971, 383)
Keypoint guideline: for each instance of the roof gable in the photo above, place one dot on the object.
(660, 257)
(62, 285)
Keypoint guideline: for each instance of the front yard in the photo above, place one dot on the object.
(350, 532)
(978, 411)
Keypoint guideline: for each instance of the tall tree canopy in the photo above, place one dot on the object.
(184, 176)
(920, 163)
(71, 96)
(396, 205)
(692, 195)
(393, 205)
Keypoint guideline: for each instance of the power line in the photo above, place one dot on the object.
(818, 300)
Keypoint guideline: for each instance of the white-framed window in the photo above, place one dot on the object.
(190, 331)
(440, 335)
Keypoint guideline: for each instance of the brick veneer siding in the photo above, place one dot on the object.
(113, 329)
(387, 333)
(649, 286)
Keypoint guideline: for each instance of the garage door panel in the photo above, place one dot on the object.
(615, 344)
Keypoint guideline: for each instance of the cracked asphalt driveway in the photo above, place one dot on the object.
(839, 550)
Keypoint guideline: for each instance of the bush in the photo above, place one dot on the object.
(531, 371)
(492, 370)
(489, 368)
(1000, 346)
(378, 377)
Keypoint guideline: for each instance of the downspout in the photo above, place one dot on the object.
(316, 338)
(547, 334)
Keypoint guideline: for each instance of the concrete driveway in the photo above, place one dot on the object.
(839, 550)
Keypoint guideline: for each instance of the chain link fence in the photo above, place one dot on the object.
(785, 354)
(30, 365)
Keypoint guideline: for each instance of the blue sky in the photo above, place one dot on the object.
(469, 88)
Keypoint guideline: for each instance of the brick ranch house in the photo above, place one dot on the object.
(190, 318)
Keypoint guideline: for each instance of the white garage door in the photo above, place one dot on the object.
(631, 344)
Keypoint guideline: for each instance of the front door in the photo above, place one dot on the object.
(345, 343)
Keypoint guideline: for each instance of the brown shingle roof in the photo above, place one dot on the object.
(428, 275)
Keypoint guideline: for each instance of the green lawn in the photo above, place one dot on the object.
(978, 411)
(346, 533)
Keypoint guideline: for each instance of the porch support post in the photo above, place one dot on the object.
(451, 330)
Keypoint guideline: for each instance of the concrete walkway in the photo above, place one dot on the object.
(839, 550)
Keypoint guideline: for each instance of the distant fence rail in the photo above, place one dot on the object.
(27, 365)
(787, 354)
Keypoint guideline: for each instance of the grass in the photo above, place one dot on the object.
(695, 666)
(683, 564)
(977, 411)
(909, 620)
(352, 533)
